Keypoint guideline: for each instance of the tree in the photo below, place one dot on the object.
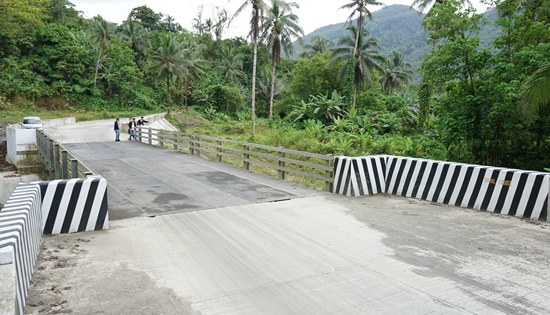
(258, 7)
(134, 35)
(280, 27)
(396, 72)
(535, 91)
(360, 7)
(101, 31)
(230, 64)
(148, 18)
(363, 59)
(317, 45)
(167, 61)
(422, 5)
(191, 65)
(58, 9)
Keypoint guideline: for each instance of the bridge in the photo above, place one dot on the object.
(188, 235)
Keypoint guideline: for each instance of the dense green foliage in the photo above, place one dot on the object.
(477, 101)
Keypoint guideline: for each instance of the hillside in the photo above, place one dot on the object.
(398, 27)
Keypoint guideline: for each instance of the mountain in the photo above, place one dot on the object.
(398, 27)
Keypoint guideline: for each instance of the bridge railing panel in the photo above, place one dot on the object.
(59, 161)
(314, 170)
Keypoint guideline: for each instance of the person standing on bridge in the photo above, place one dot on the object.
(117, 130)
(132, 128)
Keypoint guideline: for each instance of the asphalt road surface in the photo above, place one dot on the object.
(191, 236)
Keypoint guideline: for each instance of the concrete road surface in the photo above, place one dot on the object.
(190, 236)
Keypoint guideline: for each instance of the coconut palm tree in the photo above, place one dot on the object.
(535, 91)
(396, 72)
(364, 59)
(317, 45)
(258, 7)
(135, 35)
(167, 61)
(231, 65)
(280, 27)
(360, 8)
(191, 65)
(422, 5)
(102, 31)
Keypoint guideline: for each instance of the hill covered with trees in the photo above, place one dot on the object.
(350, 92)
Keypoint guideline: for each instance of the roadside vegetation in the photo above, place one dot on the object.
(473, 104)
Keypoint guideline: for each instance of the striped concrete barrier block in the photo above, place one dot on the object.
(20, 237)
(507, 191)
(74, 205)
(360, 176)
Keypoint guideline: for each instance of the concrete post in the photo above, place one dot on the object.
(160, 136)
(198, 145)
(56, 161)
(64, 165)
(219, 149)
(176, 136)
(51, 159)
(149, 135)
(246, 156)
(281, 164)
(74, 168)
(328, 174)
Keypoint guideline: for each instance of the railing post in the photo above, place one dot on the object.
(218, 149)
(160, 138)
(64, 165)
(74, 168)
(51, 159)
(149, 134)
(328, 173)
(281, 164)
(175, 136)
(56, 161)
(140, 136)
(192, 144)
(246, 156)
(198, 145)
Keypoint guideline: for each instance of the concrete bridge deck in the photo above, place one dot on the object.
(190, 236)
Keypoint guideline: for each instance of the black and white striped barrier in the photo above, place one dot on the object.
(20, 238)
(359, 176)
(74, 205)
(506, 191)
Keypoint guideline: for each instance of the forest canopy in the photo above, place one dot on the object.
(475, 103)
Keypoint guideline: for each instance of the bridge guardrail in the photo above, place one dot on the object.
(297, 166)
(58, 160)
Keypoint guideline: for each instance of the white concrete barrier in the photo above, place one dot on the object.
(74, 205)
(21, 146)
(20, 238)
(513, 192)
(359, 176)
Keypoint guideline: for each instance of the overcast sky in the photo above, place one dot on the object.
(312, 13)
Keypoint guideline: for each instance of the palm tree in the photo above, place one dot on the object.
(360, 7)
(258, 7)
(280, 27)
(535, 91)
(422, 5)
(191, 66)
(101, 31)
(167, 61)
(134, 34)
(58, 9)
(231, 64)
(396, 72)
(365, 59)
(317, 45)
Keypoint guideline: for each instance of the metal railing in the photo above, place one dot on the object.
(314, 170)
(58, 160)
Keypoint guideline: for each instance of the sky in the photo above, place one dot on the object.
(312, 13)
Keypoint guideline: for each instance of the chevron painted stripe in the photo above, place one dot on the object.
(74, 205)
(21, 234)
